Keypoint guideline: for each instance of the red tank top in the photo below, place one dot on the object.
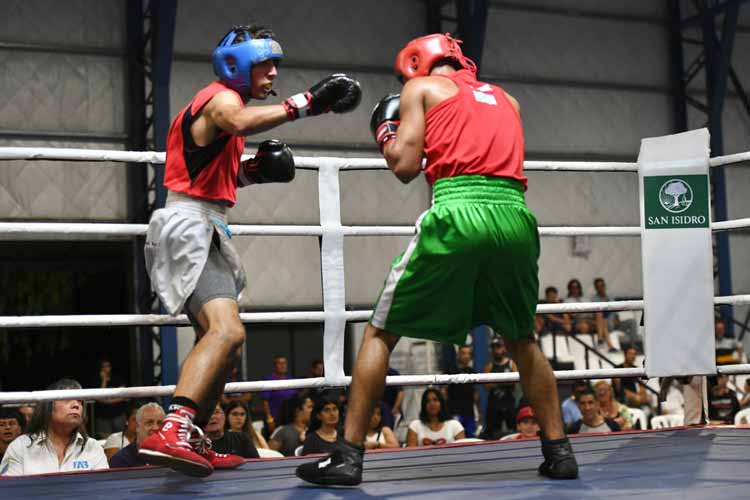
(475, 132)
(202, 171)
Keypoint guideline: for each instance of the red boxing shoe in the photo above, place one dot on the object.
(221, 460)
(170, 447)
(202, 446)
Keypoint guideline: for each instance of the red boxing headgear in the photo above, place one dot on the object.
(419, 56)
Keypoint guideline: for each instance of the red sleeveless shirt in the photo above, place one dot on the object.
(475, 132)
(210, 171)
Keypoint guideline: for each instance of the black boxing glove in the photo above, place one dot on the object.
(385, 119)
(338, 93)
(272, 163)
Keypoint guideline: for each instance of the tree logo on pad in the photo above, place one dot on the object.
(676, 196)
(672, 202)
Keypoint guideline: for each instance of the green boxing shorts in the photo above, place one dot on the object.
(472, 262)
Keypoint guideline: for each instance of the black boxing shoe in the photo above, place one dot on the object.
(343, 467)
(559, 461)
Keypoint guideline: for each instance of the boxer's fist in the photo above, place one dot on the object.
(273, 162)
(338, 93)
(385, 119)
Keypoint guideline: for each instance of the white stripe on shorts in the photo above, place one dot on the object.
(383, 306)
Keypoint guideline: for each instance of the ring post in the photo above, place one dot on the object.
(678, 282)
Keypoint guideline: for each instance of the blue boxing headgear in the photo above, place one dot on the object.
(232, 62)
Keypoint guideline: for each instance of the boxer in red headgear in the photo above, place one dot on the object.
(474, 259)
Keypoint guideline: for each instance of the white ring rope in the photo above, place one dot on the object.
(72, 154)
(306, 383)
(301, 316)
(45, 229)
(334, 312)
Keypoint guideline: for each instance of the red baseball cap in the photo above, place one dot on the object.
(524, 413)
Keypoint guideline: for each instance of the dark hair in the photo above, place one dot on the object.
(572, 282)
(290, 407)
(42, 417)
(237, 404)
(447, 61)
(581, 383)
(597, 280)
(255, 30)
(321, 403)
(6, 413)
(587, 392)
(550, 289)
(443, 415)
(379, 406)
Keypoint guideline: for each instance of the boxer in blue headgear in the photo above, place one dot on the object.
(236, 54)
(191, 261)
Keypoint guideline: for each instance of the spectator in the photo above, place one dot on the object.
(148, 418)
(228, 442)
(605, 321)
(728, 350)
(671, 395)
(745, 402)
(119, 440)
(238, 420)
(556, 322)
(109, 414)
(12, 424)
(462, 397)
(610, 408)
(55, 441)
(393, 397)
(501, 400)
(317, 370)
(323, 432)
(591, 420)
(722, 402)
(379, 435)
(587, 322)
(628, 390)
(434, 426)
(570, 411)
(244, 397)
(27, 411)
(295, 421)
(527, 426)
(272, 400)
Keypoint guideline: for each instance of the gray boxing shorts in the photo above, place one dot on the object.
(189, 256)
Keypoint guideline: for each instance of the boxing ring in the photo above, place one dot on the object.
(688, 462)
(708, 463)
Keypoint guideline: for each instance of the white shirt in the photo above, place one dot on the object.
(376, 437)
(116, 440)
(24, 457)
(426, 436)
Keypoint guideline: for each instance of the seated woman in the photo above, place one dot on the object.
(239, 421)
(323, 432)
(434, 425)
(379, 435)
(55, 441)
(610, 408)
(295, 417)
(119, 440)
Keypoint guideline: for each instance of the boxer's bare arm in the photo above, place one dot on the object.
(514, 102)
(225, 111)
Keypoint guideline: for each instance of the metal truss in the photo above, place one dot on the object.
(703, 33)
(150, 34)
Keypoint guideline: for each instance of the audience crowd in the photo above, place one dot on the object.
(54, 436)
